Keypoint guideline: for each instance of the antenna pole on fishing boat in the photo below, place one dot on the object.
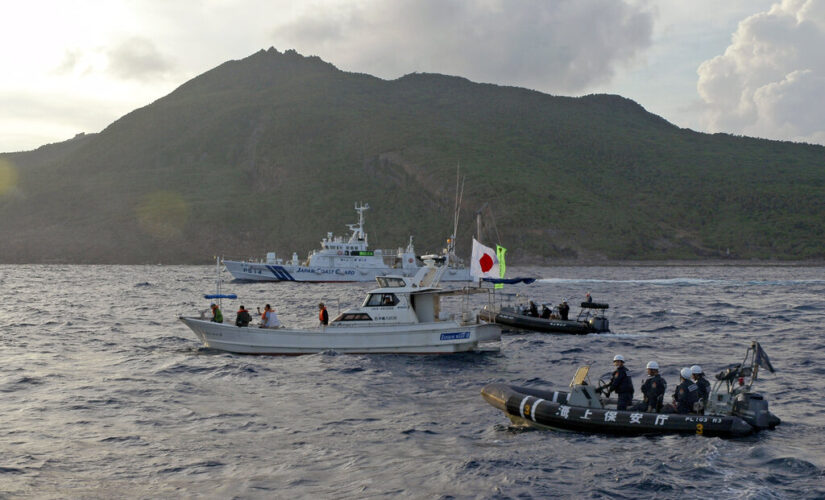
(459, 194)
(218, 279)
(478, 221)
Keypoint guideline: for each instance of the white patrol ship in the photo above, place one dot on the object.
(344, 260)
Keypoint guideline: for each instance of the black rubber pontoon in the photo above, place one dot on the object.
(550, 409)
(583, 324)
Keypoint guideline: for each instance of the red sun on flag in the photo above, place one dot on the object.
(486, 262)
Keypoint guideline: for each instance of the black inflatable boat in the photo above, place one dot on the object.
(733, 410)
(591, 319)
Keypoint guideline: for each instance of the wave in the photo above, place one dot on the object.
(683, 281)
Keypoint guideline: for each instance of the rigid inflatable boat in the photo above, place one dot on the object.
(732, 410)
(591, 319)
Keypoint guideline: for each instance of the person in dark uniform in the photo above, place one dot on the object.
(564, 309)
(534, 311)
(323, 315)
(686, 394)
(703, 383)
(621, 384)
(545, 312)
(243, 318)
(653, 389)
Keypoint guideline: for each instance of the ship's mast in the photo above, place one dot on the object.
(358, 233)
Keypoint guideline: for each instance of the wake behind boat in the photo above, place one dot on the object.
(345, 260)
(402, 316)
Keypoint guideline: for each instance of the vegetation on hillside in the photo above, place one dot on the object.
(270, 153)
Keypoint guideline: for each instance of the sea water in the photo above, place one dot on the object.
(106, 394)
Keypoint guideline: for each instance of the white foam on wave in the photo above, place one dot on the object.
(684, 281)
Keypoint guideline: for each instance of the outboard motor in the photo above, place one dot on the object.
(753, 409)
(600, 324)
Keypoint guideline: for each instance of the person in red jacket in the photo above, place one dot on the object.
(323, 315)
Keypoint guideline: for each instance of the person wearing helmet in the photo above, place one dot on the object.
(621, 384)
(564, 309)
(704, 386)
(653, 389)
(686, 394)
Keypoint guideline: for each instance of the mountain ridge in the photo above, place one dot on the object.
(590, 178)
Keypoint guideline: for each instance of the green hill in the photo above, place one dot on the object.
(270, 152)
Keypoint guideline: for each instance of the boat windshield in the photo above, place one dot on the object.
(381, 299)
(353, 317)
(390, 282)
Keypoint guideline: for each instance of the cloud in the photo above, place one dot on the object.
(771, 79)
(138, 58)
(561, 46)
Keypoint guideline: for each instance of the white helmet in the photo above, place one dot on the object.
(696, 369)
(618, 357)
(685, 373)
(652, 365)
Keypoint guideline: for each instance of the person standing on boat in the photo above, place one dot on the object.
(217, 315)
(243, 318)
(269, 319)
(621, 383)
(653, 389)
(588, 298)
(564, 309)
(323, 315)
(704, 386)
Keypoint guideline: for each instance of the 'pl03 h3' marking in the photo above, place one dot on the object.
(280, 273)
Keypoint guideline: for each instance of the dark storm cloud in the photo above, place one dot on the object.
(555, 46)
(138, 59)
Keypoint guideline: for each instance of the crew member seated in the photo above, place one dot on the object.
(217, 316)
(545, 312)
(653, 390)
(534, 311)
(243, 318)
(269, 318)
(685, 396)
(704, 386)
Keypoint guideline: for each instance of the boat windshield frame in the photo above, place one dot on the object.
(391, 282)
(381, 299)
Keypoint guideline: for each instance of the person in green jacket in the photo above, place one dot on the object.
(217, 316)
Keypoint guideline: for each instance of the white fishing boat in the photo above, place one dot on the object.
(345, 260)
(402, 316)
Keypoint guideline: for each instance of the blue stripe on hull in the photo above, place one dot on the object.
(280, 273)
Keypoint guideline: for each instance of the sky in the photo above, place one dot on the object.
(744, 67)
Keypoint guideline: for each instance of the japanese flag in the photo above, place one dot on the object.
(484, 262)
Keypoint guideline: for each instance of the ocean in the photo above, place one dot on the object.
(105, 394)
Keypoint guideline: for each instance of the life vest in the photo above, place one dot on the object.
(321, 314)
